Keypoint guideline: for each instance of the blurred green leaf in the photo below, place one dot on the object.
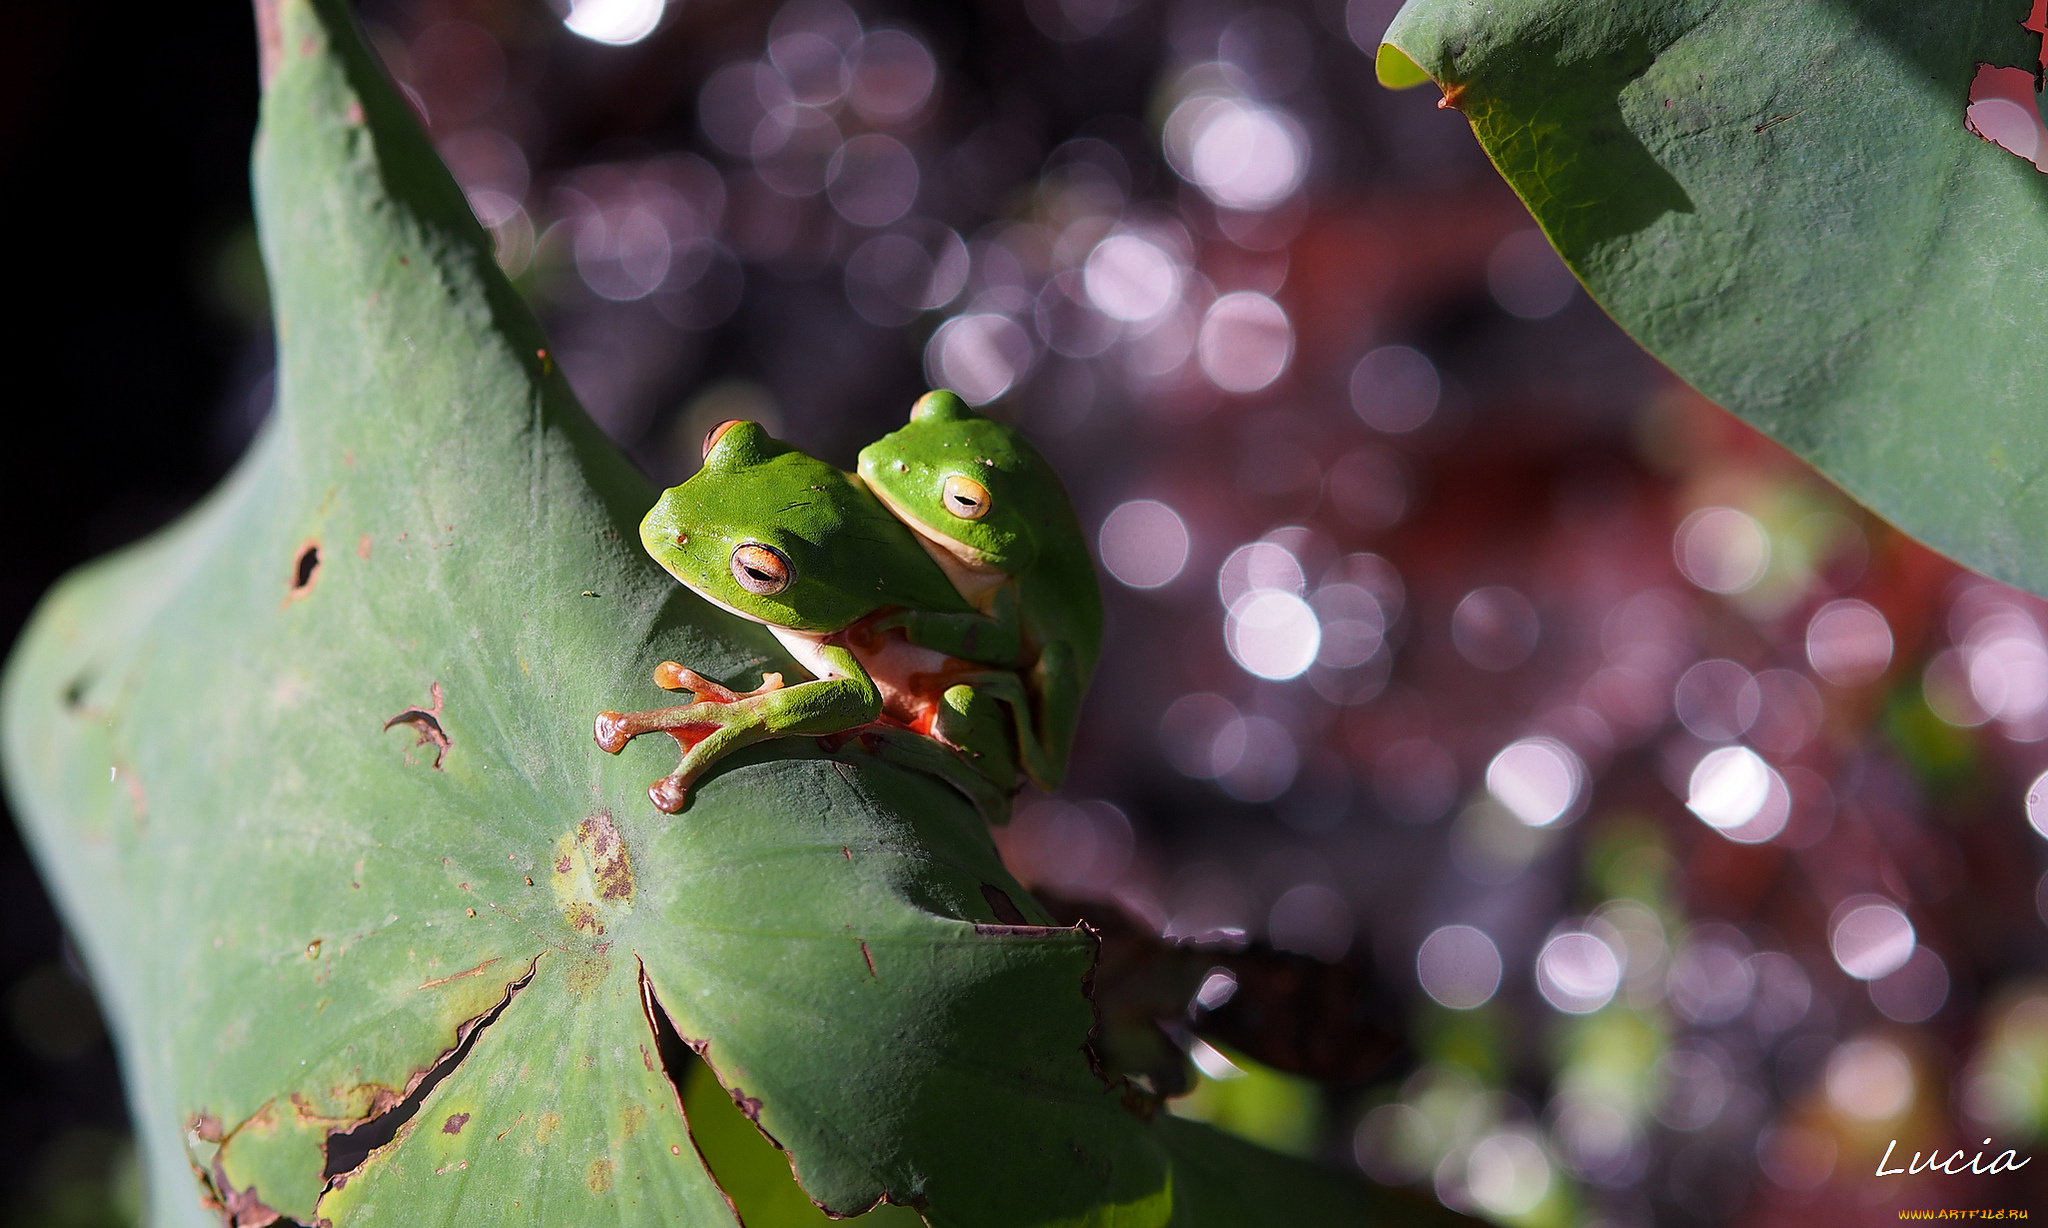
(1257, 1103)
(1781, 201)
(384, 937)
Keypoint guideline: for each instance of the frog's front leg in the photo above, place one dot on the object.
(994, 638)
(711, 729)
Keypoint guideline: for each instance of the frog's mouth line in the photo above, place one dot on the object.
(726, 606)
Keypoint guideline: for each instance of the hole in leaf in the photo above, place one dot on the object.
(305, 570)
(347, 1149)
(2002, 111)
(426, 722)
(754, 1173)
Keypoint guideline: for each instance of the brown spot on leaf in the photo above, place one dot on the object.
(864, 955)
(363, 546)
(583, 916)
(631, 1120)
(1012, 931)
(244, 1209)
(749, 1106)
(455, 1123)
(608, 861)
(586, 976)
(427, 723)
(206, 1126)
(599, 1176)
(443, 980)
(546, 1127)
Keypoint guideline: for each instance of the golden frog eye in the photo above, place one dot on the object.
(965, 497)
(717, 433)
(760, 569)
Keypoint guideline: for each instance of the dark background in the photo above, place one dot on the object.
(125, 137)
(1562, 463)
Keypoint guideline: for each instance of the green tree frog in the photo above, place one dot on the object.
(778, 537)
(992, 514)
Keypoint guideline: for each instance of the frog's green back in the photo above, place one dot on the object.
(1030, 530)
(848, 556)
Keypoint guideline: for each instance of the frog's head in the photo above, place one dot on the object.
(967, 483)
(751, 531)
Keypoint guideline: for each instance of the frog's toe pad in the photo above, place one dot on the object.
(668, 794)
(611, 732)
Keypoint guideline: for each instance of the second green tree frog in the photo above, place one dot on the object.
(780, 538)
(992, 513)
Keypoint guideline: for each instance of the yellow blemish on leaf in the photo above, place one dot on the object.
(593, 874)
(547, 1127)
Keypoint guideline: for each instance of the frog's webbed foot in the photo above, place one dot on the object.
(688, 725)
(668, 794)
(670, 676)
(722, 720)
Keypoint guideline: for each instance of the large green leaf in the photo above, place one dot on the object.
(383, 936)
(1780, 199)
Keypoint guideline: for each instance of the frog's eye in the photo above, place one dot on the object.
(760, 569)
(717, 433)
(965, 497)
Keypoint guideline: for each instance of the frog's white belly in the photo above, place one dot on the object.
(809, 650)
(911, 678)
